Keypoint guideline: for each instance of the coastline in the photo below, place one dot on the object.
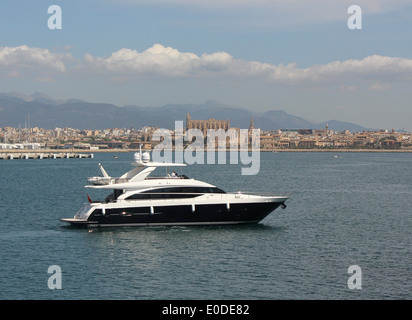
(343, 150)
(73, 150)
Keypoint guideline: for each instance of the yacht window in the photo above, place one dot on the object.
(175, 192)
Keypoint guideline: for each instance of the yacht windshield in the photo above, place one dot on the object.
(113, 196)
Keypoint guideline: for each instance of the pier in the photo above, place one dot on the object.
(31, 155)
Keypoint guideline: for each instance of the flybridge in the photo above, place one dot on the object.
(143, 168)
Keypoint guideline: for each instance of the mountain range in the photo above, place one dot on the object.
(40, 110)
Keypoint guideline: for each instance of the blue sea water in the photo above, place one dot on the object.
(354, 210)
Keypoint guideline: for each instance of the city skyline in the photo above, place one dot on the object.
(195, 131)
(259, 55)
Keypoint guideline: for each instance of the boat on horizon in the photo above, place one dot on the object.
(171, 200)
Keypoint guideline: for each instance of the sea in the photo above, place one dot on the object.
(345, 234)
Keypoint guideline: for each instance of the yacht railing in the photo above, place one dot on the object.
(167, 177)
(258, 193)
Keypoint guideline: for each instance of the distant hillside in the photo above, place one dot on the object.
(17, 109)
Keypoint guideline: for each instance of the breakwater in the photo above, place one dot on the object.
(34, 155)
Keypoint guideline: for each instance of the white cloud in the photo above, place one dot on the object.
(26, 58)
(384, 67)
(161, 61)
(167, 61)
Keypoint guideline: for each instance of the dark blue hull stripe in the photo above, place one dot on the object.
(210, 214)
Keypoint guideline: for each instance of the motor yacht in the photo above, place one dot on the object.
(138, 199)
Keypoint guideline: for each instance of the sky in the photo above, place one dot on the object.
(294, 55)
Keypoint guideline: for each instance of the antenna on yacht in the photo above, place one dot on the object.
(138, 156)
(143, 157)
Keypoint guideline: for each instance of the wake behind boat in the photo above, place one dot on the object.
(140, 200)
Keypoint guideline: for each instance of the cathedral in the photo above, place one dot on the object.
(204, 125)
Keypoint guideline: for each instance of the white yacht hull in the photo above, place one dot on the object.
(222, 209)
